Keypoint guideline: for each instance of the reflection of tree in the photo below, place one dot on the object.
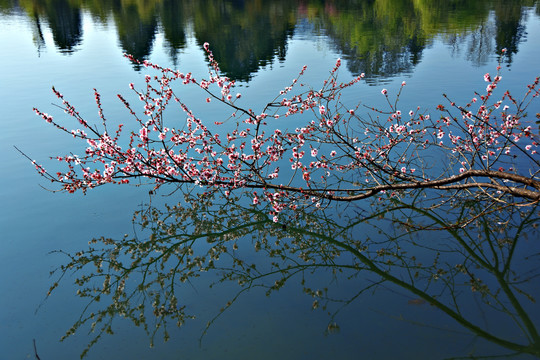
(500, 24)
(63, 18)
(509, 28)
(450, 255)
(66, 25)
(174, 28)
(386, 37)
(244, 36)
(381, 38)
(135, 32)
(481, 45)
(39, 41)
(33, 12)
(98, 9)
(6, 6)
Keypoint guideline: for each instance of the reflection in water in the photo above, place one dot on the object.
(381, 38)
(63, 19)
(174, 29)
(248, 34)
(37, 33)
(449, 264)
(65, 23)
(510, 30)
(135, 32)
(467, 258)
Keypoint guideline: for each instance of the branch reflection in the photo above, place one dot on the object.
(459, 256)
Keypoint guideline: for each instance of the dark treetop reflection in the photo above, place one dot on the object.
(380, 38)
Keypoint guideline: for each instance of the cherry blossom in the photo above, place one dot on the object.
(377, 145)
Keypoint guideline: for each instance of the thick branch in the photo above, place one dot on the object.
(448, 183)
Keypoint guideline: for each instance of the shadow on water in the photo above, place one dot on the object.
(474, 261)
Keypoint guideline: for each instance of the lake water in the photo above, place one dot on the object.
(435, 46)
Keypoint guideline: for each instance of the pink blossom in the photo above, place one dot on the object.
(143, 134)
(193, 154)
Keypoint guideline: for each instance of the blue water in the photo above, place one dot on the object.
(35, 221)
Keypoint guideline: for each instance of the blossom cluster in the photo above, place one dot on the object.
(350, 156)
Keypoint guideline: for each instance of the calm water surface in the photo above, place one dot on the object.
(436, 46)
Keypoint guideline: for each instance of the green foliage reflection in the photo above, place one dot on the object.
(380, 38)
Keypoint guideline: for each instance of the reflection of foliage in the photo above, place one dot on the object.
(136, 34)
(64, 20)
(244, 36)
(172, 19)
(66, 24)
(510, 30)
(380, 38)
(6, 5)
(447, 254)
(386, 37)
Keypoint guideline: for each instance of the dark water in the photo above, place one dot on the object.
(436, 46)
